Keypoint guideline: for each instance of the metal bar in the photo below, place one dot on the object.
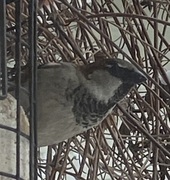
(3, 66)
(9, 175)
(14, 130)
(18, 82)
(33, 82)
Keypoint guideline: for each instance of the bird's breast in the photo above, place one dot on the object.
(87, 109)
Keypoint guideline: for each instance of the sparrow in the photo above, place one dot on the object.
(72, 99)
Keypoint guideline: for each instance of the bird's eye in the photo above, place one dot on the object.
(121, 65)
(116, 64)
(109, 65)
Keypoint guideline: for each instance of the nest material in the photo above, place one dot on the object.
(133, 142)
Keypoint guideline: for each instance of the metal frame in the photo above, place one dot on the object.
(3, 67)
(32, 41)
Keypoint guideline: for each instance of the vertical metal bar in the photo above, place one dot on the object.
(3, 66)
(33, 80)
(18, 81)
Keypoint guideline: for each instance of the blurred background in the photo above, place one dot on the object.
(132, 143)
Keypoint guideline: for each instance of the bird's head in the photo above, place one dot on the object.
(124, 70)
(111, 77)
(117, 68)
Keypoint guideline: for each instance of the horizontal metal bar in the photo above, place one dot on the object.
(9, 175)
(14, 130)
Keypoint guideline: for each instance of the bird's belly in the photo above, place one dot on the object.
(57, 128)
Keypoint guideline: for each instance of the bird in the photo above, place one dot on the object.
(72, 99)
